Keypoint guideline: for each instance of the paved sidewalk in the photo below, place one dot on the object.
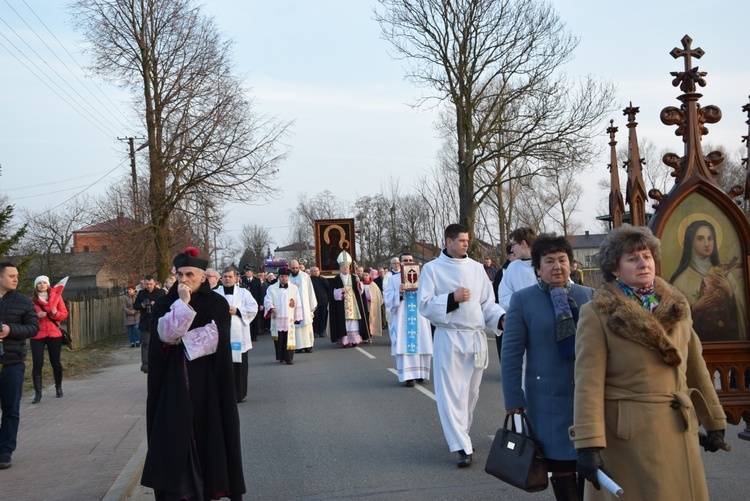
(86, 445)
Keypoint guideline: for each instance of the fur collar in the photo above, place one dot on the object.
(629, 319)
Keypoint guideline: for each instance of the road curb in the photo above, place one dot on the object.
(129, 476)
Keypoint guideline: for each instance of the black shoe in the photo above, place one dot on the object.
(308, 350)
(420, 380)
(409, 383)
(37, 397)
(289, 362)
(254, 338)
(465, 460)
(298, 351)
(132, 345)
(58, 391)
(5, 463)
(137, 345)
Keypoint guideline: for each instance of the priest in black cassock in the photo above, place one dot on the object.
(349, 318)
(192, 423)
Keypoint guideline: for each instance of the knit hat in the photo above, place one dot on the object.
(190, 258)
(41, 278)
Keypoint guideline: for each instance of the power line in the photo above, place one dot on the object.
(48, 193)
(82, 109)
(123, 124)
(53, 182)
(52, 89)
(83, 190)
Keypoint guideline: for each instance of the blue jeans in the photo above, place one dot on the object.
(134, 335)
(11, 386)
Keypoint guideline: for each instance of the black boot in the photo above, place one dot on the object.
(565, 488)
(37, 389)
(58, 390)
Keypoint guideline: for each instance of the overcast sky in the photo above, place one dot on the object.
(323, 65)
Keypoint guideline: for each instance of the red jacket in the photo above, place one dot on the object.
(48, 327)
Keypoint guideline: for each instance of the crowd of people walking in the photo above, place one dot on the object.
(612, 380)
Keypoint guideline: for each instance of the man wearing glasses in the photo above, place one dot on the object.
(519, 275)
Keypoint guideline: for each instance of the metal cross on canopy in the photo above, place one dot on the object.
(688, 78)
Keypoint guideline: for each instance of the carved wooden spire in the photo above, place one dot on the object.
(635, 192)
(616, 205)
(690, 119)
(746, 160)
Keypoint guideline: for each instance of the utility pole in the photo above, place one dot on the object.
(133, 171)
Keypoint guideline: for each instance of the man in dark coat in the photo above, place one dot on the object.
(320, 316)
(338, 313)
(18, 322)
(192, 423)
(252, 283)
(144, 301)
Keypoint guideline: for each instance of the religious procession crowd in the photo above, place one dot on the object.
(611, 381)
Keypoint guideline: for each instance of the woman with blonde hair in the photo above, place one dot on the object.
(51, 310)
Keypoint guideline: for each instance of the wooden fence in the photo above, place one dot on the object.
(93, 319)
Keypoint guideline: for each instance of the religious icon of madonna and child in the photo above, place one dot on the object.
(712, 287)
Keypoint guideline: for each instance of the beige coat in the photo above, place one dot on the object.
(651, 374)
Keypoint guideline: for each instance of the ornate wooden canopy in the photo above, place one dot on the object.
(697, 205)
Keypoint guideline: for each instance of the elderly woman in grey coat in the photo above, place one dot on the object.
(642, 387)
(541, 322)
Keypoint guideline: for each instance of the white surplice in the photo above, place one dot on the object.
(460, 345)
(240, 327)
(287, 310)
(519, 275)
(411, 362)
(303, 331)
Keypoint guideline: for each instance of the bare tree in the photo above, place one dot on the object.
(496, 62)
(324, 205)
(563, 193)
(438, 195)
(201, 130)
(254, 240)
(656, 175)
(51, 231)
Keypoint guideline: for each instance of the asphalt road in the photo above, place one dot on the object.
(338, 425)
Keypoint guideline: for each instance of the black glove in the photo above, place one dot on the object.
(713, 441)
(589, 462)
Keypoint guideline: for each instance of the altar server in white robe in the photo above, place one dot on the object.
(303, 331)
(457, 298)
(282, 306)
(520, 274)
(411, 335)
(243, 308)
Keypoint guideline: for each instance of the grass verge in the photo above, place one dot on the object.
(76, 363)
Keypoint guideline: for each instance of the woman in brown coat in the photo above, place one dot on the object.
(641, 385)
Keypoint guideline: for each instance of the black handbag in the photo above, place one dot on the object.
(517, 458)
(66, 341)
